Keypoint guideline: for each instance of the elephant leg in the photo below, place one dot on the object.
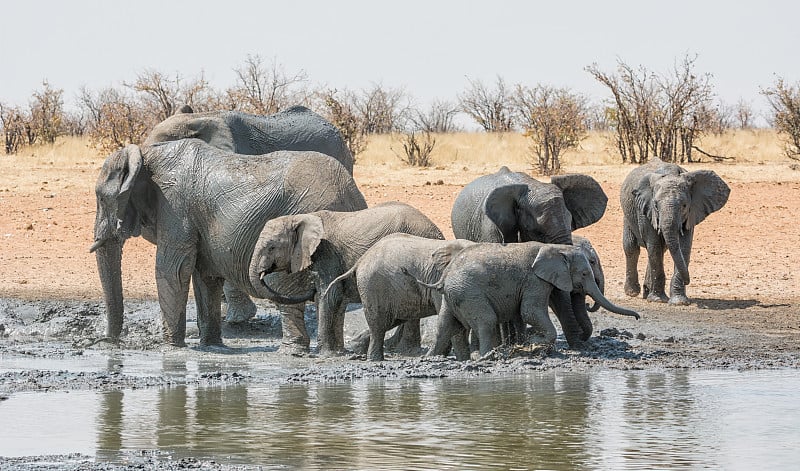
(448, 326)
(631, 248)
(561, 303)
(238, 305)
(582, 315)
(173, 273)
(407, 339)
(208, 296)
(360, 343)
(377, 332)
(460, 344)
(330, 322)
(655, 273)
(677, 288)
(487, 336)
(535, 310)
(295, 337)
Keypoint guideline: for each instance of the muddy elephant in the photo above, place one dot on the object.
(203, 208)
(296, 128)
(327, 244)
(391, 300)
(511, 206)
(661, 205)
(489, 283)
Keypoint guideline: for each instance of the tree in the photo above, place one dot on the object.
(266, 88)
(784, 99)
(114, 118)
(744, 114)
(12, 123)
(554, 119)
(437, 119)
(654, 114)
(490, 108)
(339, 110)
(162, 96)
(47, 114)
(417, 150)
(382, 110)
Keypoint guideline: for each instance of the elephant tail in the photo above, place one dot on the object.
(338, 279)
(438, 285)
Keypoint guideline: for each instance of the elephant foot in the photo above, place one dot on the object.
(174, 342)
(236, 313)
(679, 300)
(632, 290)
(293, 349)
(360, 343)
(657, 297)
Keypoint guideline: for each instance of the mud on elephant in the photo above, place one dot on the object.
(490, 283)
(661, 205)
(204, 209)
(327, 244)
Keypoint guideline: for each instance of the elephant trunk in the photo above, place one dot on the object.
(671, 231)
(601, 284)
(109, 266)
(266, 291)
(594, 291)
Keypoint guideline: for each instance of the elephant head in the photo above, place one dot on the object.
(533, 211)
(208, 127)
(568, 269)
(116, 219)
(286, 244)
(675, 203)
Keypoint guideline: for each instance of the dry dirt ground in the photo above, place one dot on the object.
(745, 262)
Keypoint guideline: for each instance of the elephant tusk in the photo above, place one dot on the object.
(97, 244)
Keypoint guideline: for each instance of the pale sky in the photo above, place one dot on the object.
(427, 47)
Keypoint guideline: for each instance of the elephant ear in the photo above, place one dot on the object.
(308, 233)
(500, 207)
(709, 193)
(551, 264)
(643, 198)
(584, 198)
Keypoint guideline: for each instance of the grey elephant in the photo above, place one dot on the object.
(661, 205)
(490, 283)
(296, 128)
(327, 244)
(511, 206)
(389, 299)
(204, 209)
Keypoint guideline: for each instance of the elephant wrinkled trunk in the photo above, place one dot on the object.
(594, 291)
(672, 239)
(109, 266)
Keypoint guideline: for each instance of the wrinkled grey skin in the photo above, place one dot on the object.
(511, 206)
(327, 244)
(490, 283)
(391, 299)
(661, 205)
(296, 128)
(204, 209)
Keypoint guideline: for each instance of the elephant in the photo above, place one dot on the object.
(661, 205)
(296, 128)
(511, 206)
(327, 244)
(490, 283)
(204, 209)
(390, 300)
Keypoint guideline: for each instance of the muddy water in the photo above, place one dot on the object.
(560, 420)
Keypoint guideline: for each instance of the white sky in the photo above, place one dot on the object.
(428, 47)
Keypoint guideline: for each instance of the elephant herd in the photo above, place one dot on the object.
(266, 206)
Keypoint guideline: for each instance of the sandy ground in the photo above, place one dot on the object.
(745, 265)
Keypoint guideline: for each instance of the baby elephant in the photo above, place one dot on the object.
(388, 297)
(326, 244)
(490, 283)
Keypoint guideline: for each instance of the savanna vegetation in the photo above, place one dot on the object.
(673, 115)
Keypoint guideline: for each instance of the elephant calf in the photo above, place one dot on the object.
(490, 283)
(327, 244)
(389, 298)
(661, 204)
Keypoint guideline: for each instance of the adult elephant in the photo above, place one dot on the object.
(661, 205)
(204, 209)
(296, 128)
(511, 206)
